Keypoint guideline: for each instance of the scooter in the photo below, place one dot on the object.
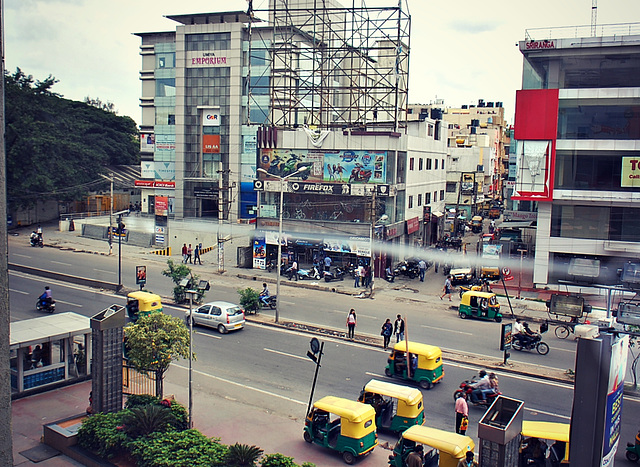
(36, 240)
(337, 275)
(269, 301)
(309, 273)
(465, 387)
(44, 305)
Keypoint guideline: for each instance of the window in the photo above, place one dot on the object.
(410, 202)
(435, 196)
(451, 187)
(428, 164)
(442, 166)
(166, 60)
(420, 164)
(436, 164)
(427, 198)
(441, 195)
(420, 198)
(259, 57)
(259, 85)
(411, 161)
(165, 87)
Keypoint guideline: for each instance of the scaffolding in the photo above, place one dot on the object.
(339, 67)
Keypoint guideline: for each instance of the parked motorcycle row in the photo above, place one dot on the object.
(409, 268)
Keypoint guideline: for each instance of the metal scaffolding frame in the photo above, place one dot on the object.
(335, 67)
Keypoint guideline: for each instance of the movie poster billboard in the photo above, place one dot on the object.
(259, 253)
(351, 167)
(162, 205)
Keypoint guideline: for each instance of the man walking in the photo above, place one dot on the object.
(447, 288)
(189, 253)
(196, 254)
(423, 269)
(398, 328)
(184, 253)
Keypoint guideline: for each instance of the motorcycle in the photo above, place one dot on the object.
(44, 305)
(360, 174)
(466, 388)
(408, 269)
(521, 342)
(309, 273)
(36, 240)
(271, 265)
(269, 301)
(337, 275)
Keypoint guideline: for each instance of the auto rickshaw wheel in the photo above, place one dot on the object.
(424, 384)
(222, 329)
(348, 458)
(498, 319)
(387, 372)
(307, 437)
(632, 456)
(462, 315)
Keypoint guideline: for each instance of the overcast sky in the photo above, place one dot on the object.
(461, 51)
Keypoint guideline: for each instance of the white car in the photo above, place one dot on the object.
(461, 275)
(223, 316)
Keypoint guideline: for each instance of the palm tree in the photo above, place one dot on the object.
(243, 455)
(146, 419)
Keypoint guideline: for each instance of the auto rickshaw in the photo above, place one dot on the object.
(397, 407)
(556, 437)
(476, 224)
(343, 425)
(426, 363)
(441, 448)
(142, 304)
(481, 305)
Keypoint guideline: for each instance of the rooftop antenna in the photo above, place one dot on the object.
(594, 17)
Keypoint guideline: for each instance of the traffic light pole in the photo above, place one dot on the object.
(315, 376)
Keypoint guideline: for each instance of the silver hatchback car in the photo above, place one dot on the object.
(223, 316)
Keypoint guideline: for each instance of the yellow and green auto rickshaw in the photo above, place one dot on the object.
(481, 305)
(425, 363)
(343, 425)
(397, 407)
(476, 224)
(555, 435)
(441, 448)
(142, 304)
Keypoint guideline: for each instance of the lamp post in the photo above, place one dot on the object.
(190, 293)
(282, 180)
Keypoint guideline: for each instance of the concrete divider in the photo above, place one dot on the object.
(64, 277)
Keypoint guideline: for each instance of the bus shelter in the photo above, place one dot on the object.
(49, 350)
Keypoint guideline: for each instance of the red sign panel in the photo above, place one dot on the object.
(154, 184)
(211, 144)
(413, 225)
(162, 205)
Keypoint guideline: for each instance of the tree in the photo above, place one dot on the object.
(249, 299)
(178, 272)
(153, 342)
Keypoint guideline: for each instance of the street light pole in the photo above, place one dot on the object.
(119, 252)
(282, 180)
(190, 292)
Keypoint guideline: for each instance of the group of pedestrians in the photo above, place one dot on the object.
(362, 276)
(191, 255)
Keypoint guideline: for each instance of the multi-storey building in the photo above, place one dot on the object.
(577, 131)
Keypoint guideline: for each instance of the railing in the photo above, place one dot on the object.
(566, 32)
(135, 382)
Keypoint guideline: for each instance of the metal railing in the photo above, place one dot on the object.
(567, 32)
(135, 382)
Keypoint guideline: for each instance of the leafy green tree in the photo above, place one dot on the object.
(178, 272)
(154, 341)
(55, 147)
(243, 455)
(249, 299)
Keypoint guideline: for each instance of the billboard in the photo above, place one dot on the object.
(158, 170)
(617, 371)
(147, 142)
(211, 144)
(211, 117)
(352, 167)
(162, 205)
(630, 172)
(166, 144)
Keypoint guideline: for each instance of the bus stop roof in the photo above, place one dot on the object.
(48, 328)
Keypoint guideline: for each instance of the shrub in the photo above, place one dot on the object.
(143, 420)
(135, 400)
(180, 414)
(178, 448)
(249, 299)
(103, 434)
(243, 455)
(277, 460)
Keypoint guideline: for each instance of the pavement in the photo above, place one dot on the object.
(31, 413)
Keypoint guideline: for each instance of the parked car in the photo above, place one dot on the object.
(223, 316)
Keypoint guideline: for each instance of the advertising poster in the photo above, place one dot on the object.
(617, 372)
(147, 141)
(259, 253)
(339, 167)
(141, 275)
(162, 205)
(360, 246)
(166, 144)
(211, 144)
(630, 172)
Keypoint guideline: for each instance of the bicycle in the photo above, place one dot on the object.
(562, 331)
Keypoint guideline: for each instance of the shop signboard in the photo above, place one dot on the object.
(468, 183)
(259, 253)
(165, 144)
(206, 192)
(268, 210)
(162, 205)
(413, 225)
(630, 172)
(360, 246)
(210, 144)
(617, 372)
(395, 230)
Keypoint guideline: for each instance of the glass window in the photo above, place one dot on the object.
(259, 85)
(451, 187)
(410, 201)
(589, 222)
(428, 164)
(427, 198)
(166, 60)
(400, 175)
(259, 115)
(436, 164)
(441, 195)
(420, 199)
(578, 120)
(442, 165)
(259, 57)
(411, 161)
(208, 41)
(576, 170)
(420, 163)
(435, 196)
(165, 87)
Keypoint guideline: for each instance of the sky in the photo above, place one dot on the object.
(460, 52)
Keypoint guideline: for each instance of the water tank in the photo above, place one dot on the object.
(436, 114)
(464, 107)
(489, 104)
(498, 104)
(473, 130)
(480, 102)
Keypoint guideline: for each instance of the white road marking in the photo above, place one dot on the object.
(64, 264)
(207, 335)
(547, 413)
(242, 385)
(102, 270)
(19, 291)
(448, 330)
(21, 256)
(69, 303)
(285, 354)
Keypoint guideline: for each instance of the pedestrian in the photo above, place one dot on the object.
(414, 459)
(351, 323)
(189, 253)
(356, 277)
(184, 253)
(398, 328)
(327, 263)
(294, 270)
(39, 232)
(447, 288)
(462, 414)
(367, 276)
(387, 330)
(196, 254)
(423, 269)
(468, 460)
(435, 266)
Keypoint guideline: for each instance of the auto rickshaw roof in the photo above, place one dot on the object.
(429, 351)
(145, 296)
(353, 411)
(411, 396)
(451, 443)
(478, 293)
(476, 218)
(546, 430)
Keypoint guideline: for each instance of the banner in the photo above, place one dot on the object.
(162, 206)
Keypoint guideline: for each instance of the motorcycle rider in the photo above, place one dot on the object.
(483, 383)
(527, 335)
(264, 295)
(47, 297)
(34, 238)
